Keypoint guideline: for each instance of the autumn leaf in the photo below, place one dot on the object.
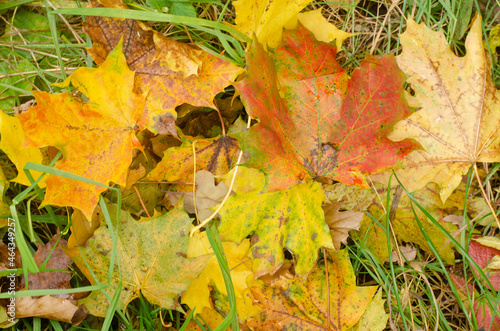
(152, 260)
(198, 293)
(301, 304)
(458, 121)
(373, 228)
(484, 309)
(11, 144)
(314, 119)
(266, 19)
(483, 253)
(59, 307)
(323, 31)
(341, 222)
(208, 195)
(375, 318)
(96, 136)
(170, 72)
(291, 218)
(214, 155)
(81, 228)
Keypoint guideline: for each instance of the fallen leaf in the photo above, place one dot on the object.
(353, 197)
(266, 19)
(323, 31)
(290, 219)
(214, 155)
(458, 121)
(99, 131)
(81, 228)
(409, 253)
(152, 260)
(314, 119)
(240, 266)
(375, 318)
(483, 255)
(373, 232)
(485, 312)
(11, 144)
(340, 223)
(50, 307)
(301, 304)
(208, 195)
(59, 307)
(170, 72)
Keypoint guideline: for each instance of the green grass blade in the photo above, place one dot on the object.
(215, 242)
(150, 16)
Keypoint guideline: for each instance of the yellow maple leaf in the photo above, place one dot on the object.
(198, 293)
(11, 142)
(323, 31)
(96, 137)
(458, 121)
(265, 18)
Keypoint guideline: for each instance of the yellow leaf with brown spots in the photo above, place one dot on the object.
(458, 122)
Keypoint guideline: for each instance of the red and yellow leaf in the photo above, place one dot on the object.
(317, 121)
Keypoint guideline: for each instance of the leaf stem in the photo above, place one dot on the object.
(202, 224)
(476, 171)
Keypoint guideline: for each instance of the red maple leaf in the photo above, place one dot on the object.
(315, 120)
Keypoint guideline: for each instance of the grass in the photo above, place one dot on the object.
(420, 294)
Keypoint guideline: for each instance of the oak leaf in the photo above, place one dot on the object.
(290, 219)
(458, 123)
(317, 121)
(341, 222)
(96, 137)
(152, 259)
(172, 73)
(301, 304)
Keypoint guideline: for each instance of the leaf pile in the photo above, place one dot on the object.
(288, 187)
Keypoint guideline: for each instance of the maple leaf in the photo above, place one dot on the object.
(485, 312)
(96, 137)
(301, 304)
(11, 142)
(405, 225)
(172, 73)
(483, 251)
(198, 293)
(314, 119)
(458, 123)
(214, 155)
(291, 218)
(323, 31)
(151, 257)
(266, 19)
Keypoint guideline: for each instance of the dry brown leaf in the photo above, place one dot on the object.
(50, 307)
(341, 222)
(208, 195)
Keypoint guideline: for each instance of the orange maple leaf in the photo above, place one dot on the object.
(171, 72)
(96, 137)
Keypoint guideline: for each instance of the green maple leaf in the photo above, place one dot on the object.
(290, 218)
(152, 260)
(315, 120)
